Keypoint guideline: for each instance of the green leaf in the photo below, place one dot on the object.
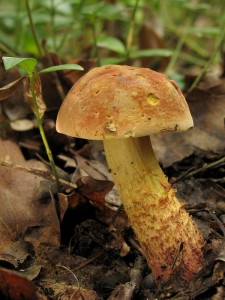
(111, 60)
(62, 67)
(111, 43)
(28, 64)
(151, 52)
(111, 12)
(92, 9)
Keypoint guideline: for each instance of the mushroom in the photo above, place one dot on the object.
(123, 106)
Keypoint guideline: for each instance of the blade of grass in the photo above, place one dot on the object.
(210, 61)
(40, 50)
(179, 47)
(130, 34)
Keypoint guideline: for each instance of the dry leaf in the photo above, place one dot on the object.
(208, 111)
(94, 190)
(22, 125)
(14, 106)
(90, 167)
(7, 90)
(38, 93)
(27, 210)
(16, 287)
(63, 205)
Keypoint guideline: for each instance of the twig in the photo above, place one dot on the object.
(78, 283)
(182, 176)
(205, 167)
(217, 220)
(87, 262)
(193, 171)
(45, 174)
(136, 246)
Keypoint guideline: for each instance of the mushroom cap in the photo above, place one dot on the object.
(118, 101)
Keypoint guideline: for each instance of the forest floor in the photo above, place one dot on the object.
(77, 243)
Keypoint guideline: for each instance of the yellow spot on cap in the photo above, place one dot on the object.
(152, 99)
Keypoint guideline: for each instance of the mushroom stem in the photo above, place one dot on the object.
(170, 240)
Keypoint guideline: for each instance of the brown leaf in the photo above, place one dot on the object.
(7, 90)
(14, 286)
(38, 92)
(27, 210)
(22, 125)
(95, 190)
(78, 293)
(208, 111)
(91, 167)
(63, 204)
(74, 199)
(15, 253)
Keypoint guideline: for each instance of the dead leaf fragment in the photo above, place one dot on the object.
(16, 252)
(38, 93)
(14, 286)
(7, 90)
(95, 190)
(27, 211)
(207, 107)
(22, 125)
(63, 204)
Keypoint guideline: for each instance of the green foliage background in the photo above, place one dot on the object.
(84, 28)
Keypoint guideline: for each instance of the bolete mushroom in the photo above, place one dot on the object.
(123, 105)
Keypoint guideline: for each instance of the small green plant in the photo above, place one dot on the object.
(33, 92)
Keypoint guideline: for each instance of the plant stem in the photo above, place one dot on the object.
(7, 50)
(96, 54)
(210, 61)
(178, 48)
(131, 31)
(43, 136)
(53, 24)
(40, 50)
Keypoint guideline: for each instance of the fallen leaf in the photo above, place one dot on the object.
(220, 293)
(208, 111)
(32, 271)
(78, 293)
(15, 252)
(90, 167)
(63, 204)
(218, 271)
(7, 90)
(15, 286)
(14, 106)
(22, 125)
(94, 190)
(27, 211)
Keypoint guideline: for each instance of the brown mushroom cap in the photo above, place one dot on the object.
(116, 101)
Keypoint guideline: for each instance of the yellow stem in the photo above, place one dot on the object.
(169, 238)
